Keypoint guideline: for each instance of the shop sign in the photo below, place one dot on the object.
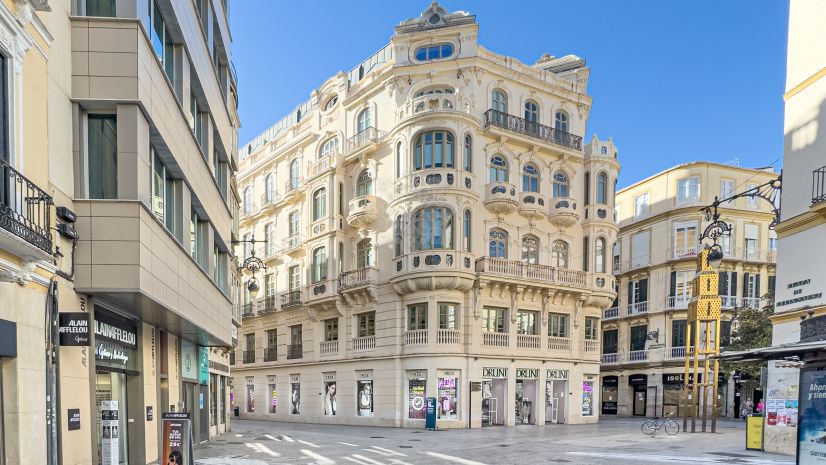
(494, 372)
(799, 293)
(295, 378)
(364, 374)
(637, 379)
(527, 373)
(111, 352)
(679, 378)
(448, 373)
(74, 329)
(415, 374)
(557, 375)
(329, 376)
(610, 381)
(609, 408)
(74, 419)
(177, 438)
(115, 330)
(203, 371)
(430, 416)
(217, 366)
(189, 361)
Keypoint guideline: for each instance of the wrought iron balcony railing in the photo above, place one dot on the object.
(529, 128)
(295, 351)
(270, 354)
(25, 208)
(290, 299)
(819, 185)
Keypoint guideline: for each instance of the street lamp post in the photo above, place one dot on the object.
(252, 264)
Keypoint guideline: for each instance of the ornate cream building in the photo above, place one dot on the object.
(434, 226)
(655, 260)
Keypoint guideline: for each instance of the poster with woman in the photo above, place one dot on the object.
(330, 398)
(295, 399)
(364, 394)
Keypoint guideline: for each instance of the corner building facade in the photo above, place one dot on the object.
(434, 227)
(655, 261)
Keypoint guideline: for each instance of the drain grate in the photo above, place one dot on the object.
(377, 437)
(732, 454)
(405, 447)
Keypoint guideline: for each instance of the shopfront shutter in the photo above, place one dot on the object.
(673, 283)
(644, 290)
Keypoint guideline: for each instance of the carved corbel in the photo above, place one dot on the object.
(516, 291)
(578, 305)
(339, 307)
(477, 299)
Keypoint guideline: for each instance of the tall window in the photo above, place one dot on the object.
(602, 189)
(319, 204)
(587, 188)
(466, 228)
(269, 239)
(751, 233)
(530, 249)
(398, 160)
(364, 183)
(560, 184)
(559, 254)
(527, 322)
(331, 329)
(616, 253)
(561, 121)
(752, 202)
(364, 253)
(398, 245)
(688, 190)
(269, 285)
(248, 206)
(640, 249)
(530, 178)
(448, 315)
(328, 148)
(269, 184)
(639, 334)
(498, 243)
(319, 264)
(610, 341)
(678, 333)
(103, 157)
(498, 169)
(163, 194)
(499, 101)
(366, 324)
(531, 111)
(364, 120)
(433, 228)
(599, 256)
(591, 328)
(685, 239)
(294, 222)
(162, 42)
(295, 173)
(641, 206)
(493, 320)
(434, 149)
(198, 239)
(198, 118)
(467, 158)
(726, 188)
(557, 325)
(294, 279)
(416, 316)
(102, 8)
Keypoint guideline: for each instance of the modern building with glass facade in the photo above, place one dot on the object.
(655, 261)
(435, 226)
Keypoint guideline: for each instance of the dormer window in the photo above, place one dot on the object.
(434, 52)
(331, 103)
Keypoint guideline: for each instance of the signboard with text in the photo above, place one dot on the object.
(74, 329)
(177, 438)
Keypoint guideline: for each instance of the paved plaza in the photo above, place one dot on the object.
(612, 441)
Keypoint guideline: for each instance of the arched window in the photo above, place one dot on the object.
(559, 254)
(248, 206)
(466, 230)
(498, 169)
(499, 101)
(530, 249)
(434, 52)
(398, 245)
(433, 228)
(530, 178)
(331, 103)
(599, 253)
(399, 160)
(328, 148)
(434, 149)
(364, 253)
(531, 111)
(602, 186)
(269, 184)
(468, 153)
(364, 120)
(295, 172)
(319, 264)
(319, 204)
(498, 243)
(561, 121)
(364, 183)
(560, 184)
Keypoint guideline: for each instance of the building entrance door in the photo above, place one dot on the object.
(525, 401)
(110, 392)
(555, 401)
(639, 400)
(493, 401)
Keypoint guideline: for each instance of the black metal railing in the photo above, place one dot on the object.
(249, 356)
(25, 208)
(246, 310)
(290, 299)
(269, 304)
(232, 358)
(270, 354)
(530, 128)
(294, 351)
(819, 185)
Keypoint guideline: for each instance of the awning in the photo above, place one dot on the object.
(780, 352)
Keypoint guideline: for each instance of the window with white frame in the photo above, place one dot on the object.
(448, 315)
(685, 239)
(466, 230)
(681, 285)
(640, 249)
(557, 325)
(531, 111)
(559, 254)
(433, 228)
(434, 149)
(602, 189)
(726, 188)
(249, 207)
(750, 236)
(294, 279)
(295, 173)
(530, 249)
(499, 101)
(752, 202)
(417, 316)
(319, 204)
(498, 243)
(398, 245)
(163, 193)
(269, 187)
(527, 322)
(269, 285)
(364, 120)
(616, 256)
(530, 178)
(269, 239)
(498, 169)
(468, 153)
(725, 241)
(364, 253)
(493, 320)
(641, 206)
(599, 255)
(688, 189)
(366, 324)
(560, 187)
(328, 148)
(293, 225)
(319, 264)
(591, 328)
(364, 183)
(561, 121)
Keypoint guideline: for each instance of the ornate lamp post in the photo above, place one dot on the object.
(252, 264)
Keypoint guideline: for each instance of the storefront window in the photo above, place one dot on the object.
(329, 398)
(250, 398)
(416, 388)
(364, 395)
(213, 399)
(610, 395)
(295, 398)
(273, 401)
(587, 398)
(448, 407)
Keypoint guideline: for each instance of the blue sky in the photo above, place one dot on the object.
(671, 81)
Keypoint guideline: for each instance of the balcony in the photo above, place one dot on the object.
(25, 213)
(750, 302)
(323, 164)
(248, 356)
(611, 313)
(448, 336)
(559, 343)
(434, 178)
(728, 301)
(364, 343)
(531, 272)
(324, 289)
(532, 205)
(248, 310)
(322, 226)
(232, 358)
(681, 252)
(591, 345)
(500, 198)
(248, 210)
(295, 351)
(268, 305)
(432, 104)
(294, 245)
(270, 354)
(432, 270)
(611, 359)
(291, 299)
(517, 125)
(327, 348)
(269, 200)
(563, 212)
(362, 211)
(638, 356)
(639, 308)
(528, 341)
(358, 277)
(362, 142)
(496, 339)
(819, 185)
(415, 337)
(677, 353)
(678, 302)
(759, 256)
(292, 190)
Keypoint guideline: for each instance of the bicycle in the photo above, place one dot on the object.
(649, 427)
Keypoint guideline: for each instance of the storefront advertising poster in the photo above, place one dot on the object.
(416, 393)
(295, 398)
(329, 398)
(781, 403)
(189, 361)
(110, 450)
(177, 438)
(364, 394)
(811, 434)
(587, 398)
(448, 401)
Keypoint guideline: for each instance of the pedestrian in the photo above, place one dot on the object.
(760, 406)
(746, 410)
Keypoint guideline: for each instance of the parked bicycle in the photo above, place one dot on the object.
(649, 427)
